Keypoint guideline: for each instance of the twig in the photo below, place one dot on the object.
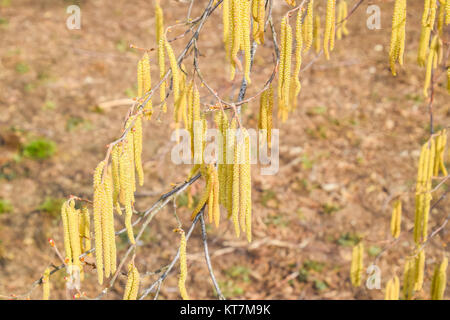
(208, 258)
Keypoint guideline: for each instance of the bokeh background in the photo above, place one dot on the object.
(349, 149)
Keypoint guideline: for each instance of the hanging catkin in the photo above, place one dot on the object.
(409, 279)
(74, 234)
(146, 84)
(397, 35)
(46, 284)
(258, 13)
(161, 54)
(308, 30)
(439, 163)
(246, 28)
(341, 19)
(392, 289)
(431, 63)
(298, 56)
(428, 19)
(115, 153)
(419, 270)
(447, 12)
(423, 188)
(137, 148)
(99, 202)
(183, 267)
(356, 269)
(236, 35)
(175, 71)
(132, 286)
(231, 141)
(235, 185)
(439, 281)
(329, 33)
(317, 32)
(396, 219)
(67, 247)
(284, 78)
(126, 170)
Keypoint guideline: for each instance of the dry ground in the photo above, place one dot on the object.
(351, 146)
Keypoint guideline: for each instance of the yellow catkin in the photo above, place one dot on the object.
(245, 21)
(258, 12)
(357, 264)
(441, 17)
(203, 199)
(396, 219)
(432, 56)
(439, 281)
(236, 38)
(108, 227)
(162, 73)
(428, 188)
(308, 30)
(72, 218)
(132, 285)
(126, 186)
(269, 116)
(290, 2)
(135, 287)
(161, 54)
(423, 188)
(223, 164)
(408, 279)
(341, 19)
(439, 163)
(284, 79)
(397, 35)
(46, 284)
(392, 289)
(317, 32)
(242, 184)
(248, 189)
(419, 270)
(137, 140)
(298, 55)
(147, 84)
(115, 153)
(283, 50)
(98, 204)
(226, 21)
(214, 214)
(428, 19)
(328, 38)
(235, 193)
(231, 141)
(183, 267)
(287, 70)
(67, 247)
(175, 71)
(447, 12)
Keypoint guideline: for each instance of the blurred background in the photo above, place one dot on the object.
(351, 146)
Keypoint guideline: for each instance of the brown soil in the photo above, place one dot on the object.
(350, 147)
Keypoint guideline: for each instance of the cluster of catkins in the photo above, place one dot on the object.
(431, 163)
(430, 53)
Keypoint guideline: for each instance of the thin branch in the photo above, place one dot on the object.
(208, 258)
